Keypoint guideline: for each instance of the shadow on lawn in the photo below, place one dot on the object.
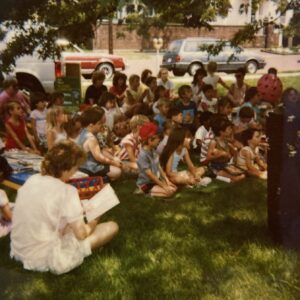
(192, 245)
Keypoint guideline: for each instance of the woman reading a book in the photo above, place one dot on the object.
(49, 232)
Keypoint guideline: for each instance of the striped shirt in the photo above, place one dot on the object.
(132, 141)
(205, 144)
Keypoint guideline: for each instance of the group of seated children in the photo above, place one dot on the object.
(144, 129)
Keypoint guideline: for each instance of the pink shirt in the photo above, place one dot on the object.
(19, 97)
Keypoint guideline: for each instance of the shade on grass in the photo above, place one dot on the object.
(207, 243)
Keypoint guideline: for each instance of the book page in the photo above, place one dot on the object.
(100, 203)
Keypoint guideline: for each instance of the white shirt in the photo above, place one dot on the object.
(199, 135)
(211, 79)
(40, 120)
(44, 204)
(210, 104)
(110, 117)
(169, 85)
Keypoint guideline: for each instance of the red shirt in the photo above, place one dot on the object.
(20, 132)
(117, 91)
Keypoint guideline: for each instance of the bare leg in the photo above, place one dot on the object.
(103, 233)
(158, 191)
(114, 173)
(199, 172)
(233, 178)
(130, 167)
(183, 178)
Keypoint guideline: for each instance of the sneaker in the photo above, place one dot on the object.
(205, 181)
(138, 191)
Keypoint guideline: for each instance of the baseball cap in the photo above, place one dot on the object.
(148, 130)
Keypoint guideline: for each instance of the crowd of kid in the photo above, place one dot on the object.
(143, 127)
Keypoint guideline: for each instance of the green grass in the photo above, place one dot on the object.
(209, 243)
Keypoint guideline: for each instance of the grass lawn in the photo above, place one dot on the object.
(205, 243)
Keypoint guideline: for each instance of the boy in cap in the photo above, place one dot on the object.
(152, 179)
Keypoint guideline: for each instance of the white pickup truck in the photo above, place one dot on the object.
(35, 74)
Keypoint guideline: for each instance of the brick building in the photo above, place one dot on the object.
(239, 14)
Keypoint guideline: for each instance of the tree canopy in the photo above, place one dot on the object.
(37, 23)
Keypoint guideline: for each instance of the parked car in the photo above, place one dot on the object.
(90, 61)
(185, 55)
(36, 74)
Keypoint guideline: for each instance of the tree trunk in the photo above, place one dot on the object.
(290, 42)
(110, 37)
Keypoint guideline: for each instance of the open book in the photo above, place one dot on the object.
(100, 203)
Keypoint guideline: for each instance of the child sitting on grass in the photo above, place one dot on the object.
(202, 131)
(252, 100)
(164, 106)
(56, 99)
(5, 214)
(163, 80)
(119, 87)
(160, 93)
(152, 179)
(208, 102)
(225, 107)
(151, 86)
(134, 94)
(94, 91)
(130, 144)
(49, 232)
(187, 107)
(248, 158)
(38, 118)
(17, 131)
(108, 102)
(97, 163)
(237, 90)
(176, 117)
(73, 128)
(221, 152)
(56, 119)
(173, 153)
(245, 120)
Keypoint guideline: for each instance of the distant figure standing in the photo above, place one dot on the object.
(213, 78)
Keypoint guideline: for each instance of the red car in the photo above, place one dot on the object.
(90, 61)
